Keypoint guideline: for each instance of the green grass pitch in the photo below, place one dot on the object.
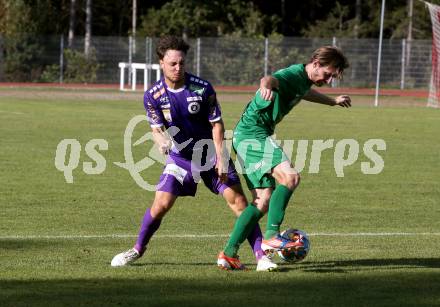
(375, 238)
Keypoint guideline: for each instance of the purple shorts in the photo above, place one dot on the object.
(180, 177)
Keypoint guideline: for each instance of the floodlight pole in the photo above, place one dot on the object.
(379, 55)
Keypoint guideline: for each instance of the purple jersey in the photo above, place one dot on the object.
(191, 109)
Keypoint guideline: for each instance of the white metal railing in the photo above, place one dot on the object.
(132, 69)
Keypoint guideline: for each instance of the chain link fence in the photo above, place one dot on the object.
(223, 61)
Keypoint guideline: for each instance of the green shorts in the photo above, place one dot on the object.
(257, 158)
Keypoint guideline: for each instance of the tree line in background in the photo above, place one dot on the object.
(22, 20)
(195, 18)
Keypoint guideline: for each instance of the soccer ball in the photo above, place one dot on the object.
(301, 245)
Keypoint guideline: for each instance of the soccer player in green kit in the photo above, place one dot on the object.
(263, 161)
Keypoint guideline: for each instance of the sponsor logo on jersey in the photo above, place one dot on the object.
(175, 171)
(194, 98)
(166, 111)
(165, 99)
(167, 115)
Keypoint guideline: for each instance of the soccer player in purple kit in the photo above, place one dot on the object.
(185, 107)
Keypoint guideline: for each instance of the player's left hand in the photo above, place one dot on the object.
(266, 93)
(343, 101)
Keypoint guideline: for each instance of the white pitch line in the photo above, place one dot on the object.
(10, 112)
(201, 236)
(376, 234)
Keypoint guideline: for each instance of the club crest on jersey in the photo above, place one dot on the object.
(194, 107)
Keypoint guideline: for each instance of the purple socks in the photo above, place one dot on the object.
(148, 228)
(254, 240)
(150, 225)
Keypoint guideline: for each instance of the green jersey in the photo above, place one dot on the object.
(261, 116)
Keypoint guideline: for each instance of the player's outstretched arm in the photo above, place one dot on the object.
(317, 97)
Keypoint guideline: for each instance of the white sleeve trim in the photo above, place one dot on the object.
(156, 125)
(215, 119)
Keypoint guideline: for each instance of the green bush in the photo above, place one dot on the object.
(51, 73)
(79, 68)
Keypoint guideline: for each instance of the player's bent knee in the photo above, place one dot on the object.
(262, 203)
(239, 204)
(240, 201)
(160, 208)
(293, 181)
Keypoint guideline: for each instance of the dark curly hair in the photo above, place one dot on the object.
(170, 43)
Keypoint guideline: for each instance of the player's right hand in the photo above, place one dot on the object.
(164, 147)
(343, 101)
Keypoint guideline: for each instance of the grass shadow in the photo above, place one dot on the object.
(344, 266)
(248, 289)
(25, 244)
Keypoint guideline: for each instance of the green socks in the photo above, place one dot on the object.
(277, 207)
(251, 215)
(244, 224)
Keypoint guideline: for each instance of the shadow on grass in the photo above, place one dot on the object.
(230, 289)
(26, 244)
(368, 264)
(330, 266)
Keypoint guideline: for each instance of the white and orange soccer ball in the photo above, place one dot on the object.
(301, 245)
